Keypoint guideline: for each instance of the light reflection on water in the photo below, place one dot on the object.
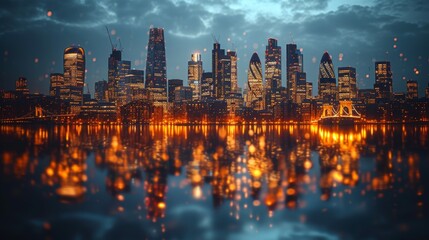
(214, 182)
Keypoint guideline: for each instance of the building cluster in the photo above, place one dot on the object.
(138, 96)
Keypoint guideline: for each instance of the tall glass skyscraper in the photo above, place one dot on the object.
(347, 88)
(273, 72)
(74, 76)
(195, 72)
(156, 66)
(254, 96)
(113, 74)
(294, 64)
(327, 82)
(56, 84)
(383, 80)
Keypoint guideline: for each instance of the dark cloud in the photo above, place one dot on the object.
(361, 32)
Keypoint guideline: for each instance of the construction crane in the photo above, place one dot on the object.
(110, 39)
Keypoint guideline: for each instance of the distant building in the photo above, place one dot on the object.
(327, 83)
(254, 92)
(383, 80)
(427, 91)
(21, 86)
(195, 72)
(74, 76)
(224, 71)
(347, 88)
(56, 84)
(172, 85)
(309, 90)
(234, 79)
(294, 64)
(301, 87)
(183, 94)
(113, 75)
(412, 89)
(207, 86)
(156, 67)
(273, 72)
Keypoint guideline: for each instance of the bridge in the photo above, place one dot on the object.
(345, 114)
(39, 115)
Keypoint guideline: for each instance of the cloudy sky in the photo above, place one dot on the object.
(33, 35)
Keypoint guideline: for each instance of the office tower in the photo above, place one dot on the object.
(223, 65)
(383, 80)
(207, 86)
(74, 76)
(156, 67)
(309, 90)
(101, 89)
(294, 63)
(172, 85)
(113, 74)
(327, 84)
(234, 78)
(254, 94)
(412, 89)
(195, 72)
(56, 84)
(123, 68)
(21, 86)
(301, 87)
(347, 89)
(273, 72)
(183, 94)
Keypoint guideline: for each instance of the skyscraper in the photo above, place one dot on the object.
(234, 79)
(156, 67)
(327, 83)
(383, 80)
(412, 89)
(347, 88)
(223, 66)
(294, 64)
(254, 96)
(273, 72)
(74, 76)
(101, 88)
(172, 84)
(195, 72)
(113, 74)
(56, 84)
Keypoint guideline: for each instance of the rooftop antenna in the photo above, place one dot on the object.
(291, 37)
(110, 39)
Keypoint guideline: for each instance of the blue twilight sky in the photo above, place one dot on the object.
(33, 35)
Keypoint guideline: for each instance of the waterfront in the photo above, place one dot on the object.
(214, 182)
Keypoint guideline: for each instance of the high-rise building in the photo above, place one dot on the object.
(21, 86)
(294, 64)
(195, 72)
(156, 67)
(207, 86)
(56, 84)
(327, 83)
(412, 89)
(273, 72)
(347, 89)
(113, 76)
(254, 91)
(234, 79)
(123, 68)
(74, 76)
(223, 66)
(383, 80)
(301, 87)
(309, 90)
(101, 88)
(172, 85)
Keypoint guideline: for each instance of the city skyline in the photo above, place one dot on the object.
(406, 53)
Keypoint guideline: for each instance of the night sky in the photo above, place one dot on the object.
(33, 35)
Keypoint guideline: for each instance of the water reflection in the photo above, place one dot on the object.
(242, 173)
